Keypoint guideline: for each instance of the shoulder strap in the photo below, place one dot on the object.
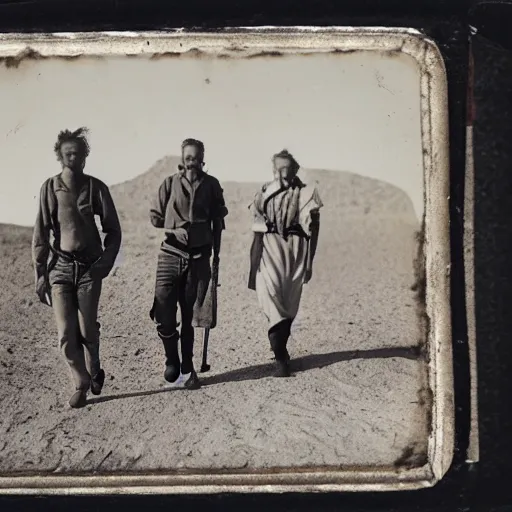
(91, 201)
(51, 198)
(269, 198)
(51, 187)
(170, 190)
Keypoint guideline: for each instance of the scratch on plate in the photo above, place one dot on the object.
(380, 82)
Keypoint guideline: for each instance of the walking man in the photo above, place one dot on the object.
(286, 224)
(70, 267)
(190, 207)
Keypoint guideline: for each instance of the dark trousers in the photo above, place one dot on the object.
(75, 300)
(278, 336)
(180, 281)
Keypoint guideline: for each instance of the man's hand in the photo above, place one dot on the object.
(42, 290)
(308, 275)
(98, 270)
(181, 235)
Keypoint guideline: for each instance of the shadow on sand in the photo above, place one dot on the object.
(262, 371)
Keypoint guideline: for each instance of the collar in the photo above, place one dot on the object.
(60, 185)
(188, 185)
(200, 174)
(276, 185)
(295, 182)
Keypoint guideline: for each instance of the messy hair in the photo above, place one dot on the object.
(193, 142)
(79, 136)
(286, 154)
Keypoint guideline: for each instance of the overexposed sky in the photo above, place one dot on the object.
(357, 112)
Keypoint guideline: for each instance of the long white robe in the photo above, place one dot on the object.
(284, 261)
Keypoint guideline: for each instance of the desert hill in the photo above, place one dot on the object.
(354, 194)
(355, 397)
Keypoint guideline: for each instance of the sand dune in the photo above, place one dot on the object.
(355, 398)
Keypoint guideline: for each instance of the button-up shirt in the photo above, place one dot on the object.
(186, 210)
(93, 198)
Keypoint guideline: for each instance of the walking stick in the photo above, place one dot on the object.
(205, 366)
(215, 284)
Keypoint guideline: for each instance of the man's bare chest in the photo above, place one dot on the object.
(73, 203)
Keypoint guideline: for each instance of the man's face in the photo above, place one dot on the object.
(192, 157)
(283, 168)
(72, 156)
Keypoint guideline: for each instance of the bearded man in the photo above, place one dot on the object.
(189, 206)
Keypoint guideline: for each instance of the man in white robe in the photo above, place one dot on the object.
(286, 223)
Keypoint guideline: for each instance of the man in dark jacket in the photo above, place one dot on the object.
(190, 207)
(69, 268)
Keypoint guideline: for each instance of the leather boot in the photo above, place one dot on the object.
(193, 381)
(277, 338)
(79, 399)
(97, 382)
(172, 359)
(286, 334)
(187, 350)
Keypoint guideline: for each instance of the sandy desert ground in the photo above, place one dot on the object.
(358, 394)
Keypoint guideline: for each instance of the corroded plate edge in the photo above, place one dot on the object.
(247, 42)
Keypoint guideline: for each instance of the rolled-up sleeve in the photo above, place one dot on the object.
(309, 216)
(41, 235)
(159, 204)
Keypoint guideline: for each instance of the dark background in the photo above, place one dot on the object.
(487, 485)
(493, 255)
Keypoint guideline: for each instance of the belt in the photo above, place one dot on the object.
(194, 254)
(80, 257)
(292, 230)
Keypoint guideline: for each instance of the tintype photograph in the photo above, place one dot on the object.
(224, 260)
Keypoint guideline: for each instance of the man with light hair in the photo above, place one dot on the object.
(71, 261)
